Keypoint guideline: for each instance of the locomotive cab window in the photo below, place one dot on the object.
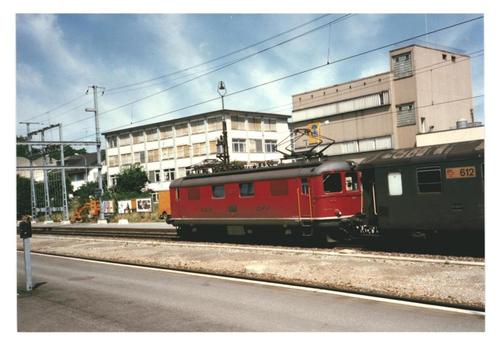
(351, 181)
(332, 182)
(429, 180)
(218, 191)
(246, 189)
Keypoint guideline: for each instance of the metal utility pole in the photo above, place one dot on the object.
(222, 143)
(65, 211)
(31, 173)
(48, 210)
(95, 110)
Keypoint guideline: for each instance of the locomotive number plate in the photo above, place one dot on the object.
(461, 172)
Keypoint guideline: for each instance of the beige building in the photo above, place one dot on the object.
(425, 90)
(168, 150)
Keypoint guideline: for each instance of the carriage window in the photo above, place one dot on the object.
(395, 184)
(246, 189)
(218, 191)
(194, 193)
(305, 188)
(351, 181)
(278, 187)
(332, 182)
(429, 180)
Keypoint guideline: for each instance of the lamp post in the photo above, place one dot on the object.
(222, 143)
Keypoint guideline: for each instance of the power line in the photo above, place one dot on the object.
(57, 107)
(222, 56)
(362, 116)
(225, 65)
(295, 74)
(419, 70)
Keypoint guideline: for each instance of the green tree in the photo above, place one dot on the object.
(86, 191)
(131, 179)
(23, 151)
(55, 151)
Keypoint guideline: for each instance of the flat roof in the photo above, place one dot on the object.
(190, 117)
(343, 83)
(428, 46)
(431, 47)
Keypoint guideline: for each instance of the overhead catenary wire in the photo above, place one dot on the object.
(224, 55)
(222, 66)
(422, 69)
(293, 74)
(56, 107)
(362, 116)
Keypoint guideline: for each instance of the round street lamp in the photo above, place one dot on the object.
(222, 143)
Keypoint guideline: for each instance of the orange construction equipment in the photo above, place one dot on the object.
(90, 209)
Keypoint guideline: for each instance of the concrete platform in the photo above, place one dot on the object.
(443, 282)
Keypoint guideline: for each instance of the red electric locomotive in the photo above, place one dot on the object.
(314, 198)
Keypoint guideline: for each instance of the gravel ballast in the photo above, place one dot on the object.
(440, 282)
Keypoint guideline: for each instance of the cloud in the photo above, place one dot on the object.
(27, 77)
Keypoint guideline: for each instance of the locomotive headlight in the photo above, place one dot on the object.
(338, 213)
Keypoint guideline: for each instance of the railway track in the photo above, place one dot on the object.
(120, 232)
(390, 248)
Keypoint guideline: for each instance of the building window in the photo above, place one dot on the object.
(395, 184)
(351, 181)
(139, 156)
(246, 189)
(406, 114)
(218, 191)
(238, 123)
(182, 151)
(378, 143)
(429, 179)
(305, 187)
(124, 140)
(155, 197)
(212, 147)
(269, 125)
(114, 180)
(169, 174)
(279, 188)
(197, 126)
(151, 135)
(239, 145)
(254, 124)
(168, 153)
(255, 146)
(113, 161)
(154, 176)
(138, 137)
(332, 182)
(166, 132)
(402, 65)
(349, 147)
(194, 193)
(199, 149)
(181, 130)
(270, 146)
(125, 159)
(215, 124)
(153, 155)
(112, 142)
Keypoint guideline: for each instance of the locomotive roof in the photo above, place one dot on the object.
(428, 154)
(265, 173)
